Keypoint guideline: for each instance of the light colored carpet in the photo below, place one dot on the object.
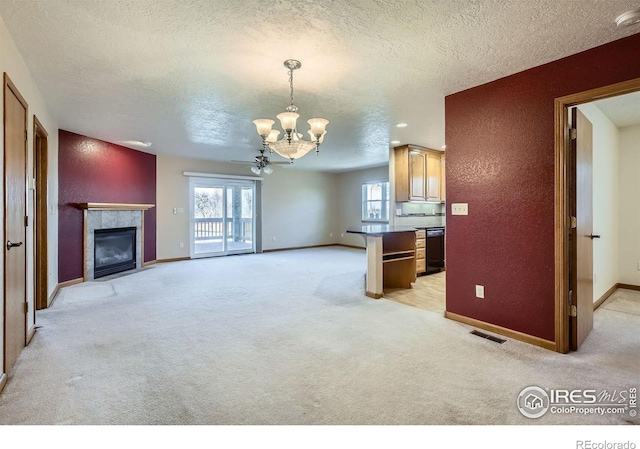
(286, 338)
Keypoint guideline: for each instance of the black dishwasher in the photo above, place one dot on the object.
(435, 250)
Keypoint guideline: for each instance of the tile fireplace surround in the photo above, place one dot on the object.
(107, 216)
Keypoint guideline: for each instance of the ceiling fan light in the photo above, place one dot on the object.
(318, 125)
(288, 120)
(256, 170)
(263, 126)
(268, 170)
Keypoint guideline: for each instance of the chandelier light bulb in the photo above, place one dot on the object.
(268, 170)
(256, 170)
(263, 126)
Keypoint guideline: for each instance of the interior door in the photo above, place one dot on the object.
(581, 269)
(15, 158)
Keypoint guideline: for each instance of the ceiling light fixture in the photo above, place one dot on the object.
(137, 143)
(292, 145)
(628, 18)
(401, 125)
(395, 142)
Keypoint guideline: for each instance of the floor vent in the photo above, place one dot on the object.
(488, 337)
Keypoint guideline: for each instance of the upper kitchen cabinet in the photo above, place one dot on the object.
(419, 174)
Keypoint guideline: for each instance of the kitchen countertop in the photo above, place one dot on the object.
(380, 229)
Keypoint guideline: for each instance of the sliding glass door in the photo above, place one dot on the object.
(222, 217)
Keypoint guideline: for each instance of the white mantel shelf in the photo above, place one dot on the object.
(115, 206)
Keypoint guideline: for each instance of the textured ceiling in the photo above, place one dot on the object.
(623, 110)
(190, 76)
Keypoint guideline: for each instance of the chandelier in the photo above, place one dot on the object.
(292, 145)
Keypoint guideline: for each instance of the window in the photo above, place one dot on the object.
(375, 201)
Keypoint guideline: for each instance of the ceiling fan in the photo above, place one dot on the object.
(261, 163)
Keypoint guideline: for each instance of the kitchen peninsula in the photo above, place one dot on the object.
(391, 257)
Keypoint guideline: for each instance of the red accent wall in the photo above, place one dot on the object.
(94, 171)
(500, 160)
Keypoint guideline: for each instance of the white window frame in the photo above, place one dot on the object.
(385, 202)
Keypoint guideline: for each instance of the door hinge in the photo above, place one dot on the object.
(26, 307)
(574, 222)
(26, 221)
(573, 133)
(573, 310)
(26, 135)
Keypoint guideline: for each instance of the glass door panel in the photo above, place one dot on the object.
(240, 218)
(223, 218)
(208, 220)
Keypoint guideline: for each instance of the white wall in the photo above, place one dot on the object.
(298, 206)
(605, 200)
(349, 209)
(629, 205)
(12, 63)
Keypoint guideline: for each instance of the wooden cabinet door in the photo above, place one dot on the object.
(433, 177)
(417, 175)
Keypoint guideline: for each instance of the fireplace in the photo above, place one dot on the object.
(114, 251)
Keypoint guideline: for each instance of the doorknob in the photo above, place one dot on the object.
(591, 236)
(11, 245)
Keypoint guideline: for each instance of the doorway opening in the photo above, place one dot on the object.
(223, 217)
(40, 174)
(570, 311)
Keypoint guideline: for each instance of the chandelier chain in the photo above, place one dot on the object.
(291, 85)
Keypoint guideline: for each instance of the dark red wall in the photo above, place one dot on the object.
(94, 171)
(500, 160)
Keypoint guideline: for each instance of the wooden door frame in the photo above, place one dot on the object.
(9, 86)
(40, 210)
(561, 228)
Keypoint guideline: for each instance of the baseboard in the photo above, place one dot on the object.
(629, 286)
(604, 297)
(31, 333)
(60, 286)
(537, 341)
(298, 247)
(151, 262)
(175, 259)
(3, 381)
(373, 295)
(350, 246)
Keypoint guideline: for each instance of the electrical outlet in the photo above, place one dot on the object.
(595, 278)
(181, 244)
(638, 266)
(342, 235)
(459, 209)
(479, 291)
(273, 238)
(331, 234)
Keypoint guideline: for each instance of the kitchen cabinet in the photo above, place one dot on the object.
(391, 257)
(418, 173)
(421, 252)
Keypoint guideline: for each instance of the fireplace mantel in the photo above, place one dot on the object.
(115, 206)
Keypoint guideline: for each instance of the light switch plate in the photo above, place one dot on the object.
(479, 291)
(459, 209)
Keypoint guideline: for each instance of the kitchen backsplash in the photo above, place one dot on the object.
(420, 214)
